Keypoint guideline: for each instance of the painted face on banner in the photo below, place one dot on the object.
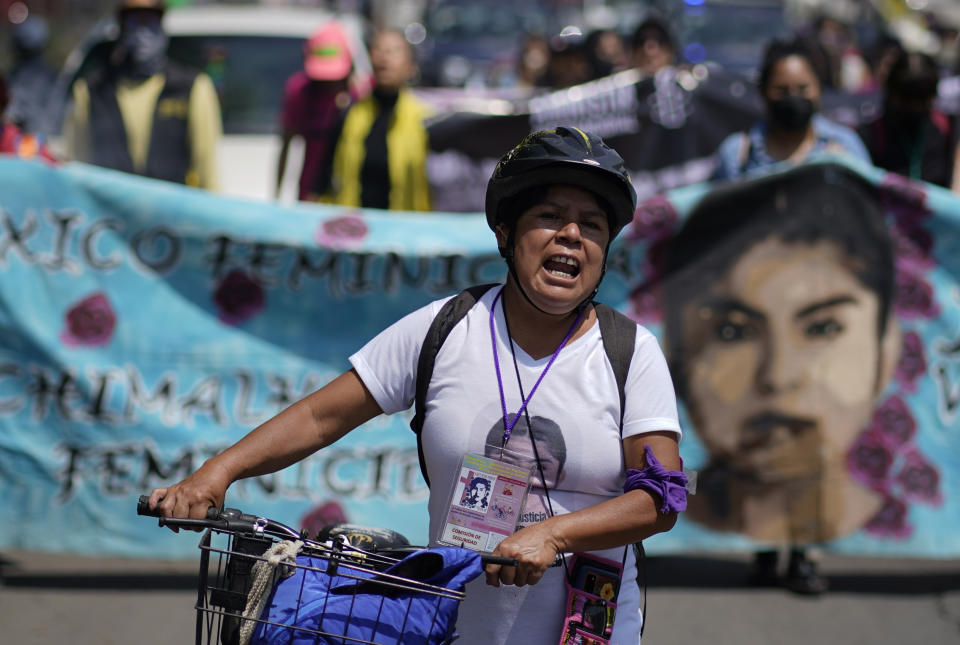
(783, 360)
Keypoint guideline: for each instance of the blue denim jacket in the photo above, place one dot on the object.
(730, 161)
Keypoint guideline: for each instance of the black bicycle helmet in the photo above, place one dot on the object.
(563, 156)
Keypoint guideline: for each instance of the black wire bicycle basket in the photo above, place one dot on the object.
(262, 582)
(332, 595)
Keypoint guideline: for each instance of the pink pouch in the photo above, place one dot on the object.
(592, 589)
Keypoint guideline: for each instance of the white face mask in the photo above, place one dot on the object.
(146, 49)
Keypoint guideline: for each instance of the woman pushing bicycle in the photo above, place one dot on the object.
(542, 439)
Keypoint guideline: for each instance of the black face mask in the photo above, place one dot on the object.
(791, 113)
(146, 48)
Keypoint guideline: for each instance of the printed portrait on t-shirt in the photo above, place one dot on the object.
(546, 446)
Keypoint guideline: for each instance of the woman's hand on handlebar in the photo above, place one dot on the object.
(534, 549)
(192, 496)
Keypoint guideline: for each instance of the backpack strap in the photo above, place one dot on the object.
(619, 335)
(449, 315)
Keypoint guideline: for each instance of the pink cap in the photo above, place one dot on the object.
(326, 53)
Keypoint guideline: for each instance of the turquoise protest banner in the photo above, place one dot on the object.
(146, 326)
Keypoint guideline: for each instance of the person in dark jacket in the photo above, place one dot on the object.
(912, 137)
(31, 78)
(793, 129)
(143, 113)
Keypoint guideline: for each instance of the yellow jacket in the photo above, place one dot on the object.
(407, 147)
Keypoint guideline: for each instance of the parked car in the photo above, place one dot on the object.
(249, 51)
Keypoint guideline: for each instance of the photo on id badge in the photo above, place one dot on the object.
(475, 491)
(485, 503)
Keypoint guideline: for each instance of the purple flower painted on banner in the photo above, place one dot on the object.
(913, 363)
(914, 296)
(870, 459)
(913, 247)
(90, 322)
(894, 422)
(344, 232)
(919, 479)
(654, 219)
(891, 520)
(885, 458)
(238, 298)
(905, 199)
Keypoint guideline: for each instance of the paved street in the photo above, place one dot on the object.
(691, 601)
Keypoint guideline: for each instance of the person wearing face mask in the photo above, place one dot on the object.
(793, 129)
(31, 77)
(912, 137)
(143, 113)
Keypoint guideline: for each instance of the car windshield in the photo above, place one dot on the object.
(480, 33)
(249, 73)
(455, 22)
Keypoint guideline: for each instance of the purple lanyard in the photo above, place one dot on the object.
(507, 425)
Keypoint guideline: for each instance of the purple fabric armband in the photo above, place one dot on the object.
(670, 485)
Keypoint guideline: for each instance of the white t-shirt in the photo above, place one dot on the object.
(577, 404)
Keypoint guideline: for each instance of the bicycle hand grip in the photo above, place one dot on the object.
(143, 508)
(497, 559)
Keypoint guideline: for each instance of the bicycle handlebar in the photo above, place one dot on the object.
(228, 519)
(143, 508)
(232, 519)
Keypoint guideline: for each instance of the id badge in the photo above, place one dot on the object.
(591, 608)
(486, 501)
